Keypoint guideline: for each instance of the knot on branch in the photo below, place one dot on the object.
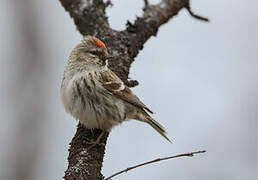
(131, 28)
(132, 83)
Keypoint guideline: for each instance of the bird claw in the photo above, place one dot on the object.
(97, 142)
(94, 143)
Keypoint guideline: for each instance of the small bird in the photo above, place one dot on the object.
(95, 95)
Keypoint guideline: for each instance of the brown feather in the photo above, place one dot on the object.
(114, 84)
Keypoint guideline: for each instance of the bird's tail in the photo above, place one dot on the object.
(157, 126)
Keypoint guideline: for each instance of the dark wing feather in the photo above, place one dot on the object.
(115, 85)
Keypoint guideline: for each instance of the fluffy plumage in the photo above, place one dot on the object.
(95, 95)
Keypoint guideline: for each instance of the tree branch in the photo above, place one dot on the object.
(153, 17)
(89, 15)
(84, 162)
(191, 154)
(90, 19)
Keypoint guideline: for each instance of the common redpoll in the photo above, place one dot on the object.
(95, 95)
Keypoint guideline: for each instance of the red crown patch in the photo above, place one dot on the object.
(100, 44)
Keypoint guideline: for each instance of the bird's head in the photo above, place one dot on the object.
(93, 50)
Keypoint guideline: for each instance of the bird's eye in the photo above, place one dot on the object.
(95, 53)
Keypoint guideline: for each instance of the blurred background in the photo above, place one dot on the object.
(201, 79)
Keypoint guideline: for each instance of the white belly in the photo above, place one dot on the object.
(94, 108)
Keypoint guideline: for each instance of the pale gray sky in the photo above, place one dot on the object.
(201, 80)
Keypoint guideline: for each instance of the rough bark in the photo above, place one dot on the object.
(85, 163)
(90, 19)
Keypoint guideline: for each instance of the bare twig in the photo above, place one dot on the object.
(191, 154)
(196, 16)
(146, 3)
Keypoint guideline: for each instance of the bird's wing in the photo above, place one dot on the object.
(115, 85)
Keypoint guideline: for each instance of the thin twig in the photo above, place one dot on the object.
(188, 8)
(191, 154)
(146, 3)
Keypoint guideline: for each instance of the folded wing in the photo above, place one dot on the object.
(115, 85)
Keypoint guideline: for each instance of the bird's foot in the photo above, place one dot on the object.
(93, 143)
